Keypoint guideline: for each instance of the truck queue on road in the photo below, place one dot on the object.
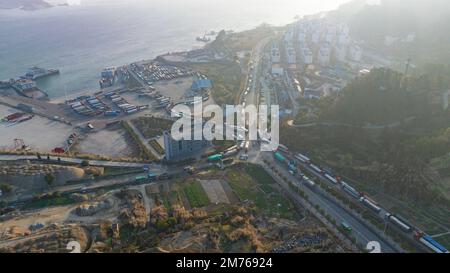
(396, 220)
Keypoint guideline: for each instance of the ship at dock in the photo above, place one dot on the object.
(28, 88)
(204, 39)
(6, 83)
(35, 73)
(108, 76)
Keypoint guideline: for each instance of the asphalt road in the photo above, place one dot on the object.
(74, 160)
(362, 233)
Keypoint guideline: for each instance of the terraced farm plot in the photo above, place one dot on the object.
(260, 190)
(196, 194)
(215, 191)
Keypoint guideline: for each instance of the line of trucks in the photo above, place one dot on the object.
(396, 220)
(151, 177)
(17, 117)
(122, 104)
(233, 150)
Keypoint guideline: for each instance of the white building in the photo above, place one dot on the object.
(290, 55)
(389, 40)
(306, 55)
(355, 53)
(323, 56)
(275, 54)
(329, 37)
(340, 52)
(410, 37)
(315, 37)
(345, 29)
(277, 70)
(288, 36)
(301, 37)
(342, 38)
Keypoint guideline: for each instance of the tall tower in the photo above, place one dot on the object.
(407, 64)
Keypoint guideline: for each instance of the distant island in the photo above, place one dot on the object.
(24, 4)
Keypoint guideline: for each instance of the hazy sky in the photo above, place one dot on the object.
(302, 6)
(271, 11)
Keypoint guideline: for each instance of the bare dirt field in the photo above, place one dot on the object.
(40, 134)
(44, 216)
(107, 142)
(175, 89)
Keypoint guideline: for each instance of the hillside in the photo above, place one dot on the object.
(426, 21)
(24, 4)
(383, 130)
(383, 97)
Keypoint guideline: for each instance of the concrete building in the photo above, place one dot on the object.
(275, 54)
(312, 94)
(290, 55)
(306, 56)
(329, 37)
(355, 53)
(340, 52)
(342, 38)
(301, 37)
(288, 36)
(277, 70)
(323, 56)
(177, 150)
(315, 37)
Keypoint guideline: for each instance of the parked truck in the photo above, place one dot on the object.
(292, 165)
(152, 176)
(230, 152)
(215, 158)
(279, 157)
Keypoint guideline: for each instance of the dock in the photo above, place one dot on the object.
(35, 73)
(28, 88)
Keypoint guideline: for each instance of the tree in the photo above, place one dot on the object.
(49, 178)
(84, 163)
(6, 188)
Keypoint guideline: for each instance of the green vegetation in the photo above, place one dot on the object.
(84, 163)
(235, 42)
(259, 175)
(383, 97)
(392, 160)
(5, 188)
(152, 126)
(48, 201)
(49, 178)
(389, 136)
(144, 153)
(261, 191)
(155, 144)
(196, 194)
(226, 78)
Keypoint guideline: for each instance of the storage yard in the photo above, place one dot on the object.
(108, 142)
(38, 133)
(81, 123)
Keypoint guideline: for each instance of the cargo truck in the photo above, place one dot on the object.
(279, 157)
(215, 157)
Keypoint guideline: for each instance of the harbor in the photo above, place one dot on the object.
(26, 85)
(72, 123)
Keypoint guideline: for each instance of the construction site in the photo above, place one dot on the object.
(209, 211)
